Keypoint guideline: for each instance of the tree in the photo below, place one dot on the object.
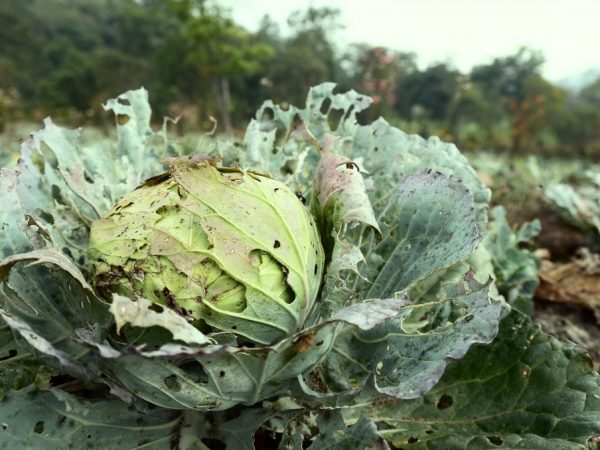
(307, 58)
(433, 89)
(218, 50)
(505, 77)
(378, 71)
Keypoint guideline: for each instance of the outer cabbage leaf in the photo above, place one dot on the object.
(405, 357)
(57, 420)
(45, 300)
(524, 390)
(219, 376)
(61, 183)
(335, 434)
(18, 366)
(68, 325)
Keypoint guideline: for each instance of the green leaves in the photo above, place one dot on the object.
(516, 268)
(524, 390)
(61, 183)
(428, 226)
(406, 356)
(57, 420)
(334, 434)
(68, 326)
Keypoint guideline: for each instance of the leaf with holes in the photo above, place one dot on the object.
(525, 390)
(62, 182)
(57, 420)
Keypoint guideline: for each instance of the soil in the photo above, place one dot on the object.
(570, 323)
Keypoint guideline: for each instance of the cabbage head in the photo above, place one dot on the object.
(230, 250)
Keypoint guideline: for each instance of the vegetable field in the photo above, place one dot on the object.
(320, 282)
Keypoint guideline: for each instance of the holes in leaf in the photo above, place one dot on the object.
(267, 114)
(325, 105)
(87, 177)
(263, 262)
(48, 155)
(214, 444)
(496, 440)
(335, 117)
(11, 354)
(348, 113)
(195, 372)
(222, 373)
(276, 244)
(469, 318)
(47, 217)
(156, 307)
(122, 119)
(39, 427)
(56, 195)
(172, 383)
(124, 101)
(412, 440)
(316, 269)
(289, 296)
(444, 402)
(38, 161)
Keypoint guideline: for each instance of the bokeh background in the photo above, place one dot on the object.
(509, 76)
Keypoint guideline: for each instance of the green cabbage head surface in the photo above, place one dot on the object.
(232, 251)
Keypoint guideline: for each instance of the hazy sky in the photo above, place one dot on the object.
(466, 32)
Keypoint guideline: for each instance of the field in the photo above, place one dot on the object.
(567, 303)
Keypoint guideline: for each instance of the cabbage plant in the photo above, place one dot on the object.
(320, 283)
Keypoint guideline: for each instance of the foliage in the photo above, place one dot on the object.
(199, 63)
(515, 267)
(407, 288)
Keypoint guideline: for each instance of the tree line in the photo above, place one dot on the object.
(64, 57)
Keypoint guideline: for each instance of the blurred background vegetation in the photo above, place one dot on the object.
(65, 57)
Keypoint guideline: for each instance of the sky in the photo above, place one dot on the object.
(463, 32)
